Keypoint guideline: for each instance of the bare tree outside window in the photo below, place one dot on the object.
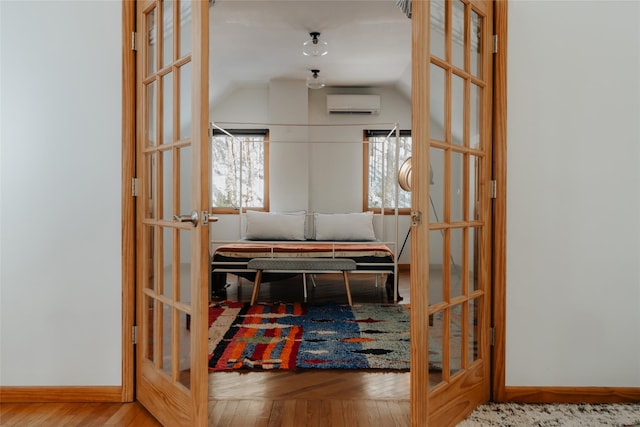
(380, 164)
(239, 171)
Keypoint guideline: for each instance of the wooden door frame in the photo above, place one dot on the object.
(128, 203)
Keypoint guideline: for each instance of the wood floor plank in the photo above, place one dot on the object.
(277, 413)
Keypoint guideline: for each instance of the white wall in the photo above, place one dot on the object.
(573, 209)
(60, 279)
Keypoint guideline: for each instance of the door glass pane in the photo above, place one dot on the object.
(436, 188)
(185, 267)
(455, 261)
(150, 257)
(476, 44)
(185, 28)
(437, 29)
(149, 332)
(185, 179)
(437, 104)
(167, 109)
(436, 277)
(473, 330)
(150, 197)
(455, 339)
(167, 32)
(185, 101)
(474, 119)
(167, 262)
(457, 110)
(184, 377)
(457, 186)
(474, 180)
(150, 105)
(151, 41)
(457, 35)
(474, 261)
(436, 333)
(167, 332)
(167, 185)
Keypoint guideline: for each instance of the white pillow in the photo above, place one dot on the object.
(275, 226)
(352, 226)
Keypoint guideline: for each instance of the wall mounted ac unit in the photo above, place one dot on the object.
(353, 104)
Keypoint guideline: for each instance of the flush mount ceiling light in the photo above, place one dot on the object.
(314, 47)
(314, 81)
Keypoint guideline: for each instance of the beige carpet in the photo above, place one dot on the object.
(565, 415)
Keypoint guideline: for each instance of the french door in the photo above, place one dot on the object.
(172, 168)
(451, 253)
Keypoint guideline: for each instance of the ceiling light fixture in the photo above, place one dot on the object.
(314, 81)
(314, 47)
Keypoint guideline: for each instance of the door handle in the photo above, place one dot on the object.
(192, 218)
(207, 218)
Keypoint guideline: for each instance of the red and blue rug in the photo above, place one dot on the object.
(308, 336)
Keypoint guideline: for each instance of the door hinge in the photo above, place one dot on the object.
(134, 187)
(134, 335)
(133, 41)
(416, 218)
(494, 189)
(495, 43)
(492, 336)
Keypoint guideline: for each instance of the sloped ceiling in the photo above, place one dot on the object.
(253, 42)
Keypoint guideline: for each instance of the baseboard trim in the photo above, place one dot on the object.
(403, 267)
(570, 394)
(61, 394)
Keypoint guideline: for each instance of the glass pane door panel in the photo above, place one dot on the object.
(436, 267)
(184, 155)
(457, 35)
(185, 267)
(150, 197)
(473, 330)
(457, 186)
(167, 32)
(149, 277)
(456, 339)
(473, 188)
(456, 240)
(149, 333)
(185, 101)
(151, 38)
(167, 333)
(436, 188)
(457, 110)
(437, 40)
(474, 116)
(436, 334)
(476, 44)
(184, 376)
(150, 105)
(167, 185)
(437, 104)
(167, 109)
(167, 265)
(474, 261)
(185, 28)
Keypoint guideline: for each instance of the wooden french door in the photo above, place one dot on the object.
(172, 168)
(451, 253)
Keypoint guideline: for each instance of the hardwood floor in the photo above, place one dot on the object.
(278, 399)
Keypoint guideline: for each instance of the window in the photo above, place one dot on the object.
(380, 170)
(240, 170)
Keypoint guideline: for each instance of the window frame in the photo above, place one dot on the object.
(367, 134)
(247, 132)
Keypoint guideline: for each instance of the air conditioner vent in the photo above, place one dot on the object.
(353, 104)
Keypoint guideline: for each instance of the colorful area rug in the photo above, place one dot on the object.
(308, 336)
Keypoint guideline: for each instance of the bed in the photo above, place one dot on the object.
(302, 235)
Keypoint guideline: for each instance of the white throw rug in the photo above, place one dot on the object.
(565, 415)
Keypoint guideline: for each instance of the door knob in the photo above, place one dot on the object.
(192, 218)
(207, 218)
